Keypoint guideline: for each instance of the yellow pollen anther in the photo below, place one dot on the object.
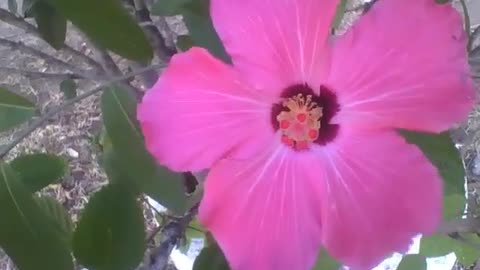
(300, 122)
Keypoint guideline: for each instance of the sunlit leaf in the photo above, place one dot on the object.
(194, 231)
(27, 234)
(52, 26)
(108, 24)
(440, 245)
(413, 262)
(59, 217)
(111, 233)
(441, 151)
(37, 171)
(14, 109)
(130, 157)
(342, 6)
(326, 262)
(69, 88)
(211, 258)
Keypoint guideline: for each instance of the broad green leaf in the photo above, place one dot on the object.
(168, 7)
(111, 233)
(108, 24)
(197, 19)
(326, 262)
(441, 151)
(26, 234)
(453, 206)
(184, 42)
(342, 6)
(211, 258)
(52, 26)
(440, 245)
(69, 88)
(13, 6)
(130, 157)
(37, 171)
(59, 217)
(413, 262)
(14, 109)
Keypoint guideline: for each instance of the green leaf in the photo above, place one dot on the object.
(52, 26)
(37, 171)
(111, 232)
(453, 206)
(168, 7)
(27, 6)
(441, 151)
(326, 262)
(440, 245)
(184, 42)
(211, 258)
(69, 88)
(342, 6)
(26, 233)
(197, 19)
(13, 6)
(14, 109)
(108, 24)
(413, 262)
(59, 217)
(129, 157)
(193, 231)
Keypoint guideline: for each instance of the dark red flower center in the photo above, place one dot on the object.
(304, 118)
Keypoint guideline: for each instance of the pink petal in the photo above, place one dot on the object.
(263, 212)
(380, 192)
(199, 112)
(275, 43)
(403, 65)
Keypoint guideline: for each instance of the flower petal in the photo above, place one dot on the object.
(263, 212)
(380, 193)
(199, 112)
(403, 65)
(275, 43)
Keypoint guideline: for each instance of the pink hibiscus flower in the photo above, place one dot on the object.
(299, 132)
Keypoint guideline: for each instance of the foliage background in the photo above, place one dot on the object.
(75, 134)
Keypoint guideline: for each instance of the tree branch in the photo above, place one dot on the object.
(40, 121)
(469, 225)
(20, 46)
(40, 75)
(151, 31)
(20, 23)
(172, 233)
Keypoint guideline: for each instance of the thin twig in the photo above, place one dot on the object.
(467, 23)
(472, 39)
(10, 18)
(151, 31)
(172, 232)
(40, 121)
(20, 46)
(40, 75)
